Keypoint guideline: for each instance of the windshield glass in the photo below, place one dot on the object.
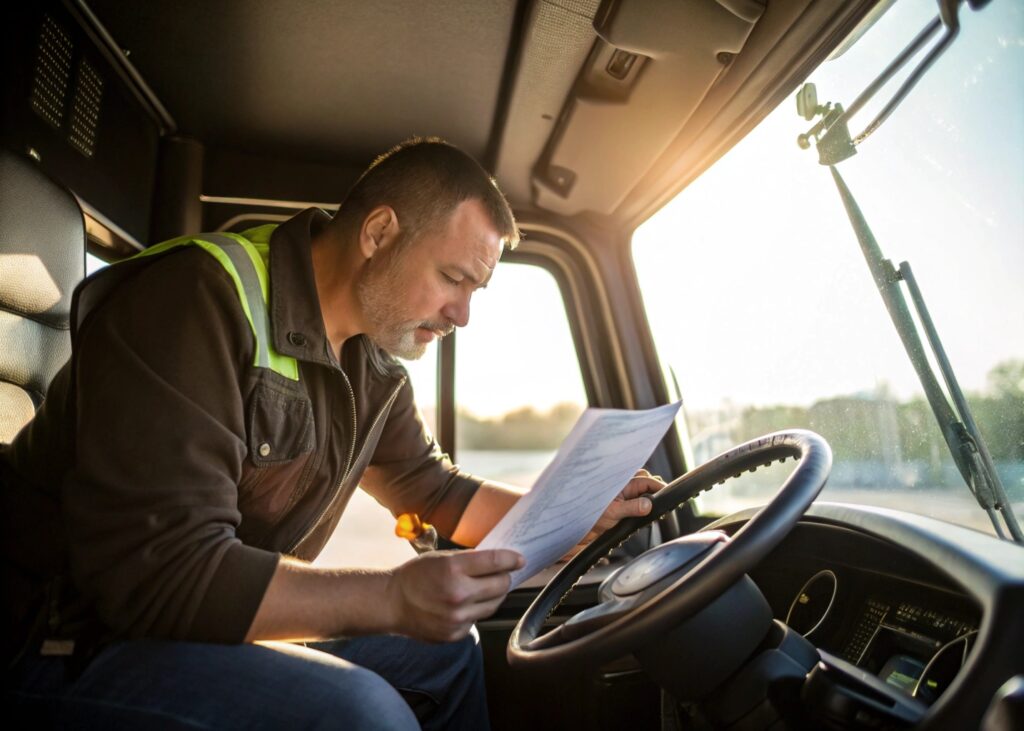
(761, 302)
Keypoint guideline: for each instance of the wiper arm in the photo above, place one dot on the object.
(835, 144)
(989, 489)
(966, 445)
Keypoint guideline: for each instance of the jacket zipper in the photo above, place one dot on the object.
(385, 409)
(355, 429)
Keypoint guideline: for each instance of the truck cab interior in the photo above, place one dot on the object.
(124, 125)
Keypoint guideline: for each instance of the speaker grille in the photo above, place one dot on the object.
(85, 112)
(53, 72)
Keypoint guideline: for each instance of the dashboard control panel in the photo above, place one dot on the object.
(915, 648)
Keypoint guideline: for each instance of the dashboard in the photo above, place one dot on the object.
(929, 608)
(887, 614)
(932, 609)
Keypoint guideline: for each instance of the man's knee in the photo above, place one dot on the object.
(453, 667)
(364, 701)
(441, 682)
(471, 654)
(336, 693)
(464, 653)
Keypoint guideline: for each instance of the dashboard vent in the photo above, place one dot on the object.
(53, 72)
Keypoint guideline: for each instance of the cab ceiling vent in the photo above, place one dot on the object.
(85, 111)
(52, 73)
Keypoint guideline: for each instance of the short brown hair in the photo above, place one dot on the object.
(424, 179)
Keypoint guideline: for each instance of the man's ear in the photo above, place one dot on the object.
(379, 229)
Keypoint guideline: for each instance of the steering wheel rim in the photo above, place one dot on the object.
(702, 583)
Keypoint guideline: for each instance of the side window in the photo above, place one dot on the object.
(518, 388)
(93, 264)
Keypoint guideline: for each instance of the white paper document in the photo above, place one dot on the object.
(600, 455)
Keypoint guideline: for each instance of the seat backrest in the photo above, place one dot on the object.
(42, 259)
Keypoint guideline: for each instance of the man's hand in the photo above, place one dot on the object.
(630, 503)
(438, 595)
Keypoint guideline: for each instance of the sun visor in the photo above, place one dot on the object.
(651, 66)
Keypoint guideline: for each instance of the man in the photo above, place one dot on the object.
(205, 442)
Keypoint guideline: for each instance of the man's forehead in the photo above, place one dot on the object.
(486, 271)
(488, 249)
(472, 237)
(473, 262)
(468, 242)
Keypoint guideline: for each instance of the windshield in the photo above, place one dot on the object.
(761, 303)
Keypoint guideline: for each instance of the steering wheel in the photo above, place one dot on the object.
(671, 582)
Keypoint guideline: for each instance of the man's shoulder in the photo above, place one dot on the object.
(183, 282)
(190, 263)
(172, 314)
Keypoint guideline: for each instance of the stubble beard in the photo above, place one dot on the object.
(387, 325)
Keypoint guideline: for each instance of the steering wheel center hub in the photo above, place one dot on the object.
(668, 558)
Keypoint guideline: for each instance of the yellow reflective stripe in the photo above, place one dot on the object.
(258, 263)
(260, 234)
(259, 255)
(221, 256)
(254, 295)
(283, 364)
(265, 356)
(264, 251)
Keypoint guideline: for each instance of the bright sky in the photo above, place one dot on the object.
(777, 305)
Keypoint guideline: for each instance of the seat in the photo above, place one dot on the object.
(42, 259)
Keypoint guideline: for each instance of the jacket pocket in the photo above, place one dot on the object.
(280, 426)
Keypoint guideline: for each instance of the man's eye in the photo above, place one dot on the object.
(450, 280)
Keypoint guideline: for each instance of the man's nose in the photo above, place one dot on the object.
(457, 311)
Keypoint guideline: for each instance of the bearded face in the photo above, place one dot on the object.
(384, 297)
(410, 292)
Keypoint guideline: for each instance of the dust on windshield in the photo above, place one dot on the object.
(762, 305)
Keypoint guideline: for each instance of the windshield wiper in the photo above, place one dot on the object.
(835, 144)
(956, 422)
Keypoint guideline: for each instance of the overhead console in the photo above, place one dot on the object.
(650, 68)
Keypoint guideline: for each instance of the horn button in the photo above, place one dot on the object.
(654, 565)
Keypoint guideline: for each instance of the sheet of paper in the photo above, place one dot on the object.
(600, 455)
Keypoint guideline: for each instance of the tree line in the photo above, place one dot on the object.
(862, 428)
(875, 427)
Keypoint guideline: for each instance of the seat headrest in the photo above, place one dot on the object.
(42, 243)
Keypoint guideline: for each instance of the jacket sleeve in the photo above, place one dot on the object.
(410, 474)
(151, 503)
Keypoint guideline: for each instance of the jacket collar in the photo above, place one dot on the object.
(296, 320)
(297, 323)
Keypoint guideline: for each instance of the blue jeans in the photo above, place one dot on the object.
(379, 682)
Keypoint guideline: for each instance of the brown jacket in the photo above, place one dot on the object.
(165, 475)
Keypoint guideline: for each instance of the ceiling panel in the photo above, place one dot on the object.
(338, 81)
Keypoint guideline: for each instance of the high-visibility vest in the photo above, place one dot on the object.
(245, 257)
